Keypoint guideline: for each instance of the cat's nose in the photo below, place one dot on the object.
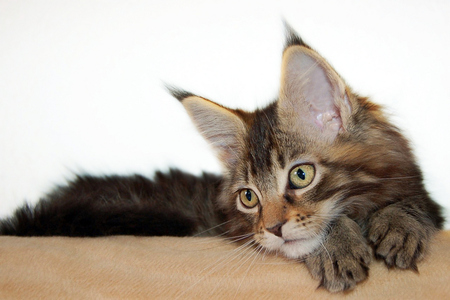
(276, 230)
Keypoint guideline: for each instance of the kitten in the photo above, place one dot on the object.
(319, 175)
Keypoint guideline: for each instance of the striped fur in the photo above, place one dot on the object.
(319, 175)
(367, 194)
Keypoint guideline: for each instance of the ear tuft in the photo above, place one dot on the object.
(179, 94)
(292, 37)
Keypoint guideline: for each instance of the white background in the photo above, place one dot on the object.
(81, 82)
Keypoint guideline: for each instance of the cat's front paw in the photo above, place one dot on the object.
(344, 259)
(398, 237)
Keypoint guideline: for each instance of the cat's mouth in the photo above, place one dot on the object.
(291, 245)
(299, 247)
(293, 241)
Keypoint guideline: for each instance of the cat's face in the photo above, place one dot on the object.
(279, 200)
(283, 186)
(290, 169)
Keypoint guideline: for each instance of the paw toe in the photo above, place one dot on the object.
(398, 239)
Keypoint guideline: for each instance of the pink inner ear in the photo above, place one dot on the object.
(328, 121)
(318, 93)
(310, 83)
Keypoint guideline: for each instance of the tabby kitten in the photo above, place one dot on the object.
(319, 175)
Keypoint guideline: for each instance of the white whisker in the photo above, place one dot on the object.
(214, 227)
(256, 253)
(239, 255)
(239, 238)
(210, 269)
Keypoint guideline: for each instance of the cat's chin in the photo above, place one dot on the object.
(299, 248)
(293, 248)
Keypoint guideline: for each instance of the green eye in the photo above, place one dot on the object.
(248, 198)
(301, 176)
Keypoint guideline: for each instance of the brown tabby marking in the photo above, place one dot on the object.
(319, 175)
(366, 189)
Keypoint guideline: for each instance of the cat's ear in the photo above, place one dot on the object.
(220, 126)
(311, 91)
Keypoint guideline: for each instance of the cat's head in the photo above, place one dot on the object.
(291, 168)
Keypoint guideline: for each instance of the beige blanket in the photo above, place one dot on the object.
(190, 268)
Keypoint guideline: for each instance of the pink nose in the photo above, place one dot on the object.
(276, 230)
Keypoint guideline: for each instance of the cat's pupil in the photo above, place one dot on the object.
(248, 195)
(301, 174)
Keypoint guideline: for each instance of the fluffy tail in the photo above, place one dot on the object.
(176, 204)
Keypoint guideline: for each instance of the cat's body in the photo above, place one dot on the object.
(176, 204)
(319, 175)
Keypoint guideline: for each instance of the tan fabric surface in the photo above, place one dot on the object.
(190, 268)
